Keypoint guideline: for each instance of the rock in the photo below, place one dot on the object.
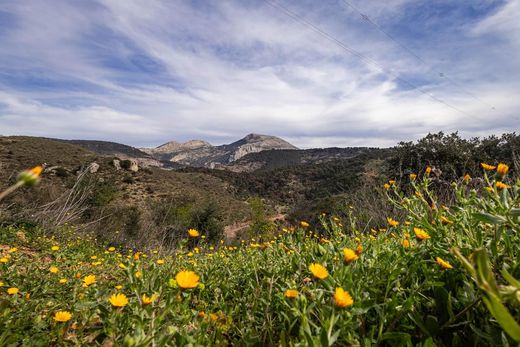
(93, 168)
(117, 164)
(134, 165)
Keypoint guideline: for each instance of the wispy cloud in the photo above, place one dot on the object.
(143, 74)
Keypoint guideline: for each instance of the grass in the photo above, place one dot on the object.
(442, 275)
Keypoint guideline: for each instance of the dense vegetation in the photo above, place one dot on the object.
(438, 275)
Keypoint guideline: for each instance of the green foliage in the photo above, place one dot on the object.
(259, 225)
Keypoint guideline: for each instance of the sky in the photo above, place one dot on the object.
(318, 73)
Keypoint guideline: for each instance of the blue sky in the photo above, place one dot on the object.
(144, 73)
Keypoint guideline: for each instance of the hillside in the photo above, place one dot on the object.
(120, 199)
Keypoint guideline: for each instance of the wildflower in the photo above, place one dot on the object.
(428, 170)
(88, 280)
(193, 233)
(4, 260)
(304, 224)
(201, 314)
(392, 222)
(63, 280)
(148, 299)
(489, 189)
(413, 176)
(1, 284)
(501, 185)
(160, 261)
(342, 298)
(12, 291)
(122, 266)
(391, 182)
(111, 249)
(138, 274)
(213, 316)
(421, 234)
(62, 316)
(466, 178)
(418, 194)
(405, 243)
(30, 177)
(386, 186)
(502, 169)
(12, 250)
(349, 255)
(119, 287)
(319, 271)
(118, 300)
(187, 279)
(55, 248)
(487, 167)
(53, 269)
(291, 293)
(443, 263)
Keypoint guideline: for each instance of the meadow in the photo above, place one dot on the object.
(445, 275)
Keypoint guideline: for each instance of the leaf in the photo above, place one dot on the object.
(489, 218)
(502, 315)
(512, 281)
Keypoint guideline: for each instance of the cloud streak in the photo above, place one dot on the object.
(143, 75)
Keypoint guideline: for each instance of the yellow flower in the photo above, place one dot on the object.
(1, 284)
(12, 291)
(466, 178)
(193, 233)
(502, 169)
(319, 271)
(55, 248)
(12, 250)
(443, 263)
(63, 280)
(118, 300)
(119, 287)
(421, 234)
(445, 220)
(62, 316)
(187, 279)
(487, 167)
(138, 274)
(291, 293)
(53, 269)
(30, 177)
(391, 182)
(428, 170)
(160, 261)
(405, 243)
(489, 189)
(386, 186)
(349, 255)
(413, 176)
(342, 298)
(304, 224)
(148, 299)
(392, 222)
(122, 266)
(111, 249)
(88, 280)
(418, 194)
(501, 185)
(4, 260)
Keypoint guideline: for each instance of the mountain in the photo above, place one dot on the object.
(202, 154)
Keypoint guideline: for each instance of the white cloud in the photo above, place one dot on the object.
(244, 67)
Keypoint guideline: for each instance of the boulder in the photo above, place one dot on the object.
(117, 164)
(93, 168)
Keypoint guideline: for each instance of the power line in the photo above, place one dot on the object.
(361, 56)
(367, 19)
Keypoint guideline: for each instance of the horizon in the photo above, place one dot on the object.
(346, 73)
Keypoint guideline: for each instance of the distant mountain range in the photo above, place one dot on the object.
(251, 153)
(202, 154)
